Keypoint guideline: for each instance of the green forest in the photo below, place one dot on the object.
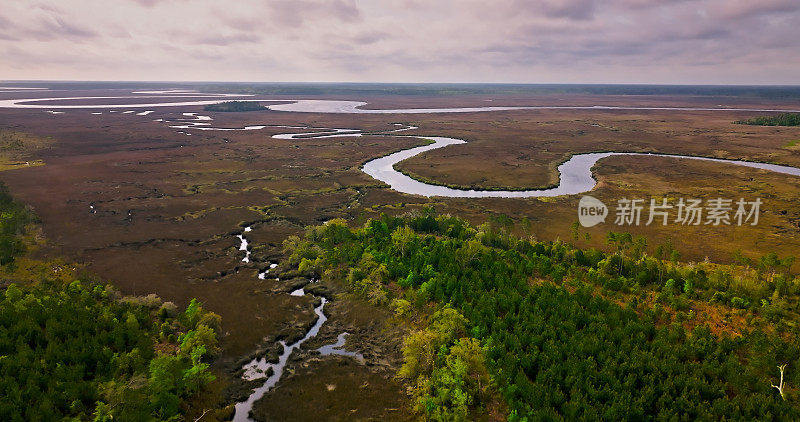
(234, 106)
(78, 350)
(505, 325)
(784, 119)
(14, 218)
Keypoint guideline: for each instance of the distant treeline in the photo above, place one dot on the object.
(785, 119)
(231, 106)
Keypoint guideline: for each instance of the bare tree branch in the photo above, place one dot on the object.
(201, 416)
(780, 386)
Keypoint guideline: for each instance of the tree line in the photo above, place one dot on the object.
(74, 349)
(783, 119)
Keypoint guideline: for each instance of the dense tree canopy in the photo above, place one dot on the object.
(784, 119)
(534, 318)
(77, 350)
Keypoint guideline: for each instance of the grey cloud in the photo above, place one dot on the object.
(345, 10)
(369, 37)
(571, 9)
(738, 9)
(568, 9)
(648, 4)
(59, 27)
(671, 41)
(296, 12)
(691, 33)
(146, 3)
(289, 12)
(51, 8)
(228, 40)
(6, 30)
(46, 23)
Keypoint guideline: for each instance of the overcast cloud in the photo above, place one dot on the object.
(536, 41)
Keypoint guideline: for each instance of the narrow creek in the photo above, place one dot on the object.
(244, 246)
(259, 367)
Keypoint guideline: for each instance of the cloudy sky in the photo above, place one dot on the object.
(535, 41)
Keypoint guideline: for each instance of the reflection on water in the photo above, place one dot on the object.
(336, 349)
(259, 365)
(575, 175)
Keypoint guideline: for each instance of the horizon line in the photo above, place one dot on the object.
(398, 83)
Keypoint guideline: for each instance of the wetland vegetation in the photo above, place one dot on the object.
(17, 149)
(617, 241)
(475, 316)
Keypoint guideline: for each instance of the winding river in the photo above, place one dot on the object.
(321, 106)
(575, 177)
(575, 174)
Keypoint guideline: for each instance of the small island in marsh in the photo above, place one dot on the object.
(234, 106)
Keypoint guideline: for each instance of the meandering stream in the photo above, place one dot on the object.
(575, 174)
(323, 106)
(575, 177)
(259, 368)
